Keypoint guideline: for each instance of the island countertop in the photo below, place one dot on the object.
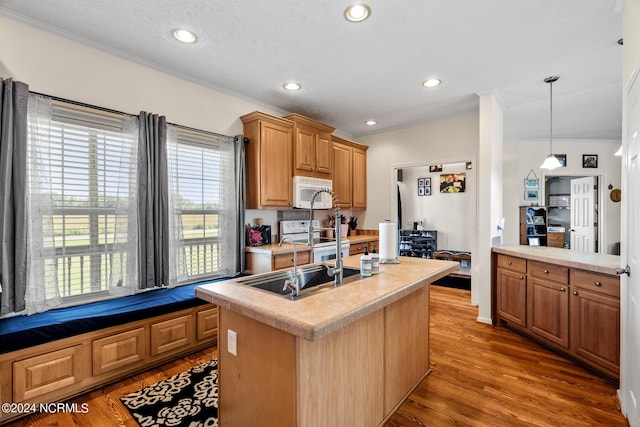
(329, 308)
(597, 263)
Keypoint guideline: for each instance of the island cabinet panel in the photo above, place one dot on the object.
(406, 347)
(341, 376)
(548, 314)
(256, 386)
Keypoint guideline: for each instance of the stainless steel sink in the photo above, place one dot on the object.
(308, 277)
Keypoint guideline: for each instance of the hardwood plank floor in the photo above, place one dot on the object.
(482, 376)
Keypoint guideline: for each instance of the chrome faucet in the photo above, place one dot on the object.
(335, 271)
(292, 283)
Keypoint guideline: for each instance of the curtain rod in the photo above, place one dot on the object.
(109, 110)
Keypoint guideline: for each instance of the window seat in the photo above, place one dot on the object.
(21, 332)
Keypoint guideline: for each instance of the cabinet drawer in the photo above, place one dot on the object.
(117, 351)
(281, 261)
(207, 324)
(602, 283)
(358, 248)
(39, 375)
(554, 272)
(171, 335)
(512, 263)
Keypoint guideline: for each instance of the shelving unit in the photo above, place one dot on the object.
(418, 243)
(533, 225)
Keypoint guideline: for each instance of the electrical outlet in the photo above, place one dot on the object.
(232, 342)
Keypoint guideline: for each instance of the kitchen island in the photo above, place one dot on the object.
(336, 356)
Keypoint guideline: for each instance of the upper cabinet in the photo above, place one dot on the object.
(349, 173)
(311, 147)
(269, 161)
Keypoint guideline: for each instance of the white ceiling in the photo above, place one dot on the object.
(351, 73)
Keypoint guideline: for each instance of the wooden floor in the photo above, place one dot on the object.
(482, 376)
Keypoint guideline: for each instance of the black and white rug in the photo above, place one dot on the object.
(187, 399)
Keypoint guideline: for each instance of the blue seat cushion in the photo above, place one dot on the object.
(26, 331)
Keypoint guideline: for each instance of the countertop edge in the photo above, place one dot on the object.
(313, 332)
(597, 263)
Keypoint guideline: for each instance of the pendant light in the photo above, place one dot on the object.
(551, 162)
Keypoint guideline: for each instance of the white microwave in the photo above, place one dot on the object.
(305, 187)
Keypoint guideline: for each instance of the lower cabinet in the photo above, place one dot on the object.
(573, 311)
(60, 369)
(265, 261)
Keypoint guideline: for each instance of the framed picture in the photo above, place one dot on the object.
(531, 194)
(435, 168)
(538, 220)
(562, 158)
(427, 182)
(589, 160)
(452, 183)
(420, 182)
(534, 241)
(427, 191)
(420, 191)
(531, 183)
(468, 165)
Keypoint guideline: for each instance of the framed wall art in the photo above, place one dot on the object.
(452, 183)
(589, 160)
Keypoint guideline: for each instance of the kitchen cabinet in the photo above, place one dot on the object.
(269, 161)
(548, 294)
(511, 289)
(261, 259)
(571, 310)
(357, 248)
(349, 173)
(311, 147)
(595, 319)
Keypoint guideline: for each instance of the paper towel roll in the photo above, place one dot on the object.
(388, 234)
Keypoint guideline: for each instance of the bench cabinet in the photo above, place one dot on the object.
(70, 366)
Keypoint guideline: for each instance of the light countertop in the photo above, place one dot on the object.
(598, 263)
(323, 310)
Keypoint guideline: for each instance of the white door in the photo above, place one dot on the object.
(630, 310)
(583, 230)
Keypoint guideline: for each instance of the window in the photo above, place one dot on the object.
(82, 190)
(200, 181)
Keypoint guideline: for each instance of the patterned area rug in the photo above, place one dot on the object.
(187, 399)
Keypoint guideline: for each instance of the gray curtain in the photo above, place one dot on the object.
(153, 203)
(13, 187)
(240, 191)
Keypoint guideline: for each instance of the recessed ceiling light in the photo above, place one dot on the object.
(184, 36)
(431, 83)
(357, 12)
(292, 86)
(370, 122)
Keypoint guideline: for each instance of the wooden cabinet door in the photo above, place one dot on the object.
(323, 153)
(276, 173)
(549, 311)
(359, 183)
(305, 146)
(595, 328)
(342, 173)
(511, 293)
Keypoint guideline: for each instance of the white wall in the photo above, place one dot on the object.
(443, 141)
(523, 156)
(447, 213)
(58, 66)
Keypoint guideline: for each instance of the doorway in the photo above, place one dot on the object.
(557, 199)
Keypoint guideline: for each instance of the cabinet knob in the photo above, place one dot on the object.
(508, 262)
(598, 284)
(546, 272)
(575, 292)
(521, 277)
(562, 290)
